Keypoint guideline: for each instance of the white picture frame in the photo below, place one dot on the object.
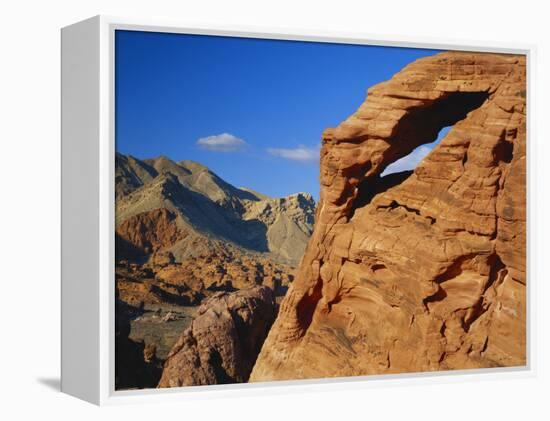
(88, 214)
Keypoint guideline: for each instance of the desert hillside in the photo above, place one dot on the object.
(203, 205)
(183, 237)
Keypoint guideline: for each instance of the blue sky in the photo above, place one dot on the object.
(251, 110)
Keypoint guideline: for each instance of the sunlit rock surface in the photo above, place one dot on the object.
(420, 270)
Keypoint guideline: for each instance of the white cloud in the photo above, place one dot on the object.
(224, 142)
(301, 153)
(408, 162)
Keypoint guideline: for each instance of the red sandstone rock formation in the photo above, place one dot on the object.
(223, 341)
(421, 271)
(147, 232)
(217, 267)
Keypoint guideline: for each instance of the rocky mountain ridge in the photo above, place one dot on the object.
(202, 204)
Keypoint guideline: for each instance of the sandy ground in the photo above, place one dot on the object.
(161, 325)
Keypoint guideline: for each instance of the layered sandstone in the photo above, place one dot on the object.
(424, 270)
(223, 341)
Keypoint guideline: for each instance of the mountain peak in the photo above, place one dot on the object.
(217, 209)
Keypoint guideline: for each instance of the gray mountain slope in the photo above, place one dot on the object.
(131, 173)
(210, 207)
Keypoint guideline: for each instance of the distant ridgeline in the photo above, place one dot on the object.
(184, 208)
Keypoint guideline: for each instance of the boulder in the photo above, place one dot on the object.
(223, 341)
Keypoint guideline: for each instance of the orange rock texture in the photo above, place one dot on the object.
(424, 270)
(147, 232)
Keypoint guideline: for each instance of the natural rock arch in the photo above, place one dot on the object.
(421, 125)
(427, 272)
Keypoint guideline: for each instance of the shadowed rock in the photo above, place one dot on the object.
(136, 364)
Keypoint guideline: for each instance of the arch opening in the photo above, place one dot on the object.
(410, 161)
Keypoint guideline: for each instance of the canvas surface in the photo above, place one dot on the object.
(256, 243)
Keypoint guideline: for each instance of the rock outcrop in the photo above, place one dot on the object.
(161, 280)
(146, 233)
(415, 271)
(223, 341)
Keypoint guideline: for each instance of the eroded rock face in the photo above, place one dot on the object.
(415, 271)
(147, 232)
(223, 341)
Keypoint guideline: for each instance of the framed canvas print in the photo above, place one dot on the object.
(247, 210)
